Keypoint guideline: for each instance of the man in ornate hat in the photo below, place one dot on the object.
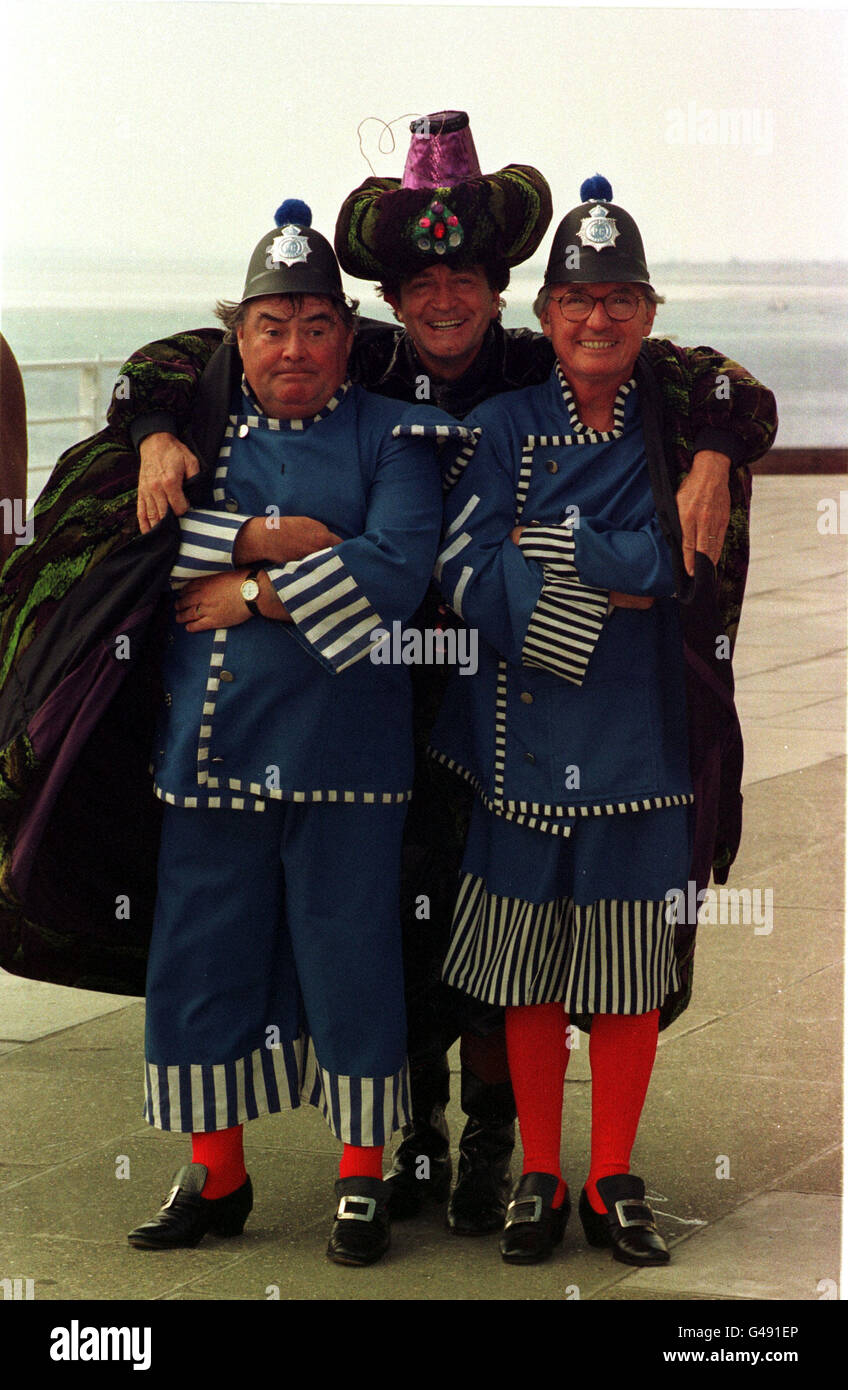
(442, 241)
(599, 731)
(282, 754)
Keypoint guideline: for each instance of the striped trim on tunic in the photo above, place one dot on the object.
(219, 491)
(555, 818)
(361, 1110)
(587, 435)
(460, 463)
(254, 795)
(213, 686)
(269, 422)
(322, 598)
(607, 957)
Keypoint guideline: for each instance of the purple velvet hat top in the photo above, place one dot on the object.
(444, 209)
(441, 152)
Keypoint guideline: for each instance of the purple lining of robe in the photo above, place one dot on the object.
(67, 718)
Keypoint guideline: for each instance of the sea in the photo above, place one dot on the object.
(787, 323)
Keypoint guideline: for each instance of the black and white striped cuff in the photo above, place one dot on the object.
(332, 615)
(552, 546)
(206, 545)
(564, 629)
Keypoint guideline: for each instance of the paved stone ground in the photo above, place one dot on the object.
(740, 1142)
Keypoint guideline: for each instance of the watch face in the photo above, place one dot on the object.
(249, 590)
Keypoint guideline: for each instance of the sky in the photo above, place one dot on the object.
(150, 131)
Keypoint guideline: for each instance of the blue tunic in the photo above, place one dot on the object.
(572, 712)
(297, 711)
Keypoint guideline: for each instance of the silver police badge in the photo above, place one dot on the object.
(598, 229)
(289, 247)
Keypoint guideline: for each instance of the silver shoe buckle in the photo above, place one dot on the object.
(623, 1220)
(369, 1203)
(513, 1215)
(170, 1197)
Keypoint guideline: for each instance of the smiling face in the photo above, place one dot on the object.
(295, 358)
(446, 313)
(599, 353)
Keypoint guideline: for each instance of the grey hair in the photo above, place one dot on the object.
(540, 303)
(233, 315)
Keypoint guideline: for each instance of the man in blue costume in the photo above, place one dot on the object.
(599, 732)
(284, 759)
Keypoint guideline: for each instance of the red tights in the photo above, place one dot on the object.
(622, 1048)
(222, 1152)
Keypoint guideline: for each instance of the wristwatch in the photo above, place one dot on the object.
(250, 593)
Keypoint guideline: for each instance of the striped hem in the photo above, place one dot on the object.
(194, 1098)
(253, 796)
(554, 818)
(608, 957)
(564, 629)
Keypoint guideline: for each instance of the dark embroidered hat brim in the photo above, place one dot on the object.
(502, 218)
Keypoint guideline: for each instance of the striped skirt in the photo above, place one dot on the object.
(585, 921)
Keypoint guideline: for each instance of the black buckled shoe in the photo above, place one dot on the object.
(186, 1215)
(628, 1224)
(478, 1201)
(533, 1227)
(421, 1167)
(360, 1233)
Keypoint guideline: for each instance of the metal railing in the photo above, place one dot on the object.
(95, 391)
(50, 432)
(93, 397)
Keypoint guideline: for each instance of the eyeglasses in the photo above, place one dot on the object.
(620, 305)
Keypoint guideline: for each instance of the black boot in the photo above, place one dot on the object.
(421, 1165)
(479, 1200)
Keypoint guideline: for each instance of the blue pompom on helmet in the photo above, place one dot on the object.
(597, 242)
(293, 258)
(594, 188)
(293, 210)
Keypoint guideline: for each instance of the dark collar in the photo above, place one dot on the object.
(461, 394)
